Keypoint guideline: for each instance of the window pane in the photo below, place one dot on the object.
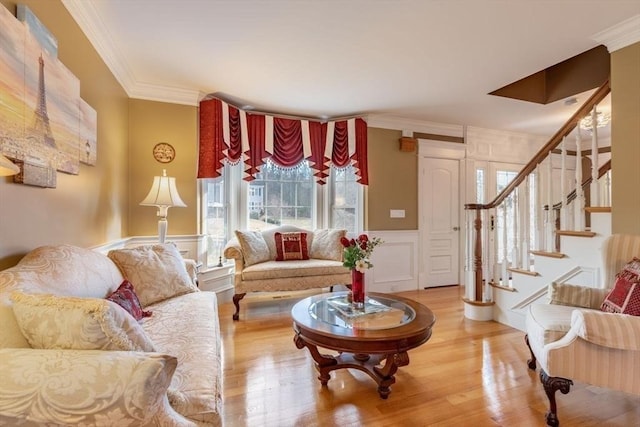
(281, 196)
(344, 201)
(215, 218)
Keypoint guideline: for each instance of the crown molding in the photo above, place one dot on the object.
(385, 121)
(89, 21)
(620, 35)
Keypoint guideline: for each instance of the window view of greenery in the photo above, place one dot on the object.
(345, 199)
(281, 196)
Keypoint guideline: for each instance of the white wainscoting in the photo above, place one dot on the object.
(395, 262)
(190, 246)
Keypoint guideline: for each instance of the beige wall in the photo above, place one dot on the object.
(90, 208)
(393, 182)
(625, 137)
(150, 123)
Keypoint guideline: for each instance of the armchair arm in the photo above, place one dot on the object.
(233, 250)
(88, 387)
(620, 331)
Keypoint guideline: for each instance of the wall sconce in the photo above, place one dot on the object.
(163, 195)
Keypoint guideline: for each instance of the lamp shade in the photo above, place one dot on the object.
(163, 192)
(7, 167)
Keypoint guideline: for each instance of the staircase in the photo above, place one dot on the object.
(542, 227)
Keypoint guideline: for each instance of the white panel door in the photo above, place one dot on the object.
(441, 210)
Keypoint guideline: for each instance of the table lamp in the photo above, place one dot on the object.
(164, 195)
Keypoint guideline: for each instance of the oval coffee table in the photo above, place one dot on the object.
(391, 326)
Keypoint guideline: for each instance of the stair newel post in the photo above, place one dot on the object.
(595, 190)
(556, 227)
(606, 194)
(477, 255)
(579, 201)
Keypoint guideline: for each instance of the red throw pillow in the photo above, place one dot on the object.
(625, 296)
(126, 298)
(290, 246)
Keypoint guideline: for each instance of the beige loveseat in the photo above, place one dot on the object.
(573, 339)
(256, 268)
(68, 356)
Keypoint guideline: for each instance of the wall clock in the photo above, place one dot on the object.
(164, 152)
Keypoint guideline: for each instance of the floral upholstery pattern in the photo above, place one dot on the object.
(326, 244)
(156, 271)
(107, 388)
(87, 387)
(52, 322)
(195, 391)
(125, 296)
(254, 247)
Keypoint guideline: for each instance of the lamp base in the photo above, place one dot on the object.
(162, 229)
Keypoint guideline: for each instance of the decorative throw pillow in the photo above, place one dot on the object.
(624, 298)
(572, 295)
(326, 244)
(157, 271)
(291, 246)
(53, 322)
(126, 298)
(254, 247)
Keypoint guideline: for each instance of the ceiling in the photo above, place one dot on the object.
(418, 60)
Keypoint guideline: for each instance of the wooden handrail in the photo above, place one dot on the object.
(542, 154)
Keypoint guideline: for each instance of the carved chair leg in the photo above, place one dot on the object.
(551, 385)
(236, 302)
(531, 363)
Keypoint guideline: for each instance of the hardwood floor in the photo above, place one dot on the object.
(468, 374)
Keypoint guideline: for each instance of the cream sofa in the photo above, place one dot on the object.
(175, 382)
(572, 339)
(256, 268)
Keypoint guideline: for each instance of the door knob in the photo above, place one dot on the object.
(456, 228)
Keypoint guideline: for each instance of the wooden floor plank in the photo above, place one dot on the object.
(469, 373)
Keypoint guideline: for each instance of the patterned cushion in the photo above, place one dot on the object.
(326, 244)
(254, 247)
(573, 295)
(83, 387)
(624, 298)
(126, 297)
(291, 246)
(53, 322)
(157, 271)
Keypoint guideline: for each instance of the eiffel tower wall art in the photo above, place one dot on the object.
(45, 127)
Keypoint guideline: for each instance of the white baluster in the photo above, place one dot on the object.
(515, 257)
(505, 260)
(579, 202)
(525, 230)
(550, 221)
(538, 210)
(564, 199)
(595, 193)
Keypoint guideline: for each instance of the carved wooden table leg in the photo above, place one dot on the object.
(531, 363)
(551, 385)
(324, 363)
(386, 373)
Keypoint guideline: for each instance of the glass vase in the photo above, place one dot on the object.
(357, 288)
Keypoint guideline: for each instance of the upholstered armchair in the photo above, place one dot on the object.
(574, 340)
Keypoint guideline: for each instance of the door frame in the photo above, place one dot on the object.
(450, 151)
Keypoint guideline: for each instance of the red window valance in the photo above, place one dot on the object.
(228, 134)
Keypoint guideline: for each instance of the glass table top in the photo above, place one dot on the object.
(379, 312)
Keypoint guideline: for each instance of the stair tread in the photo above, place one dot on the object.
(598, 209)
(549, 254)
(523, 271)
(576, 233)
